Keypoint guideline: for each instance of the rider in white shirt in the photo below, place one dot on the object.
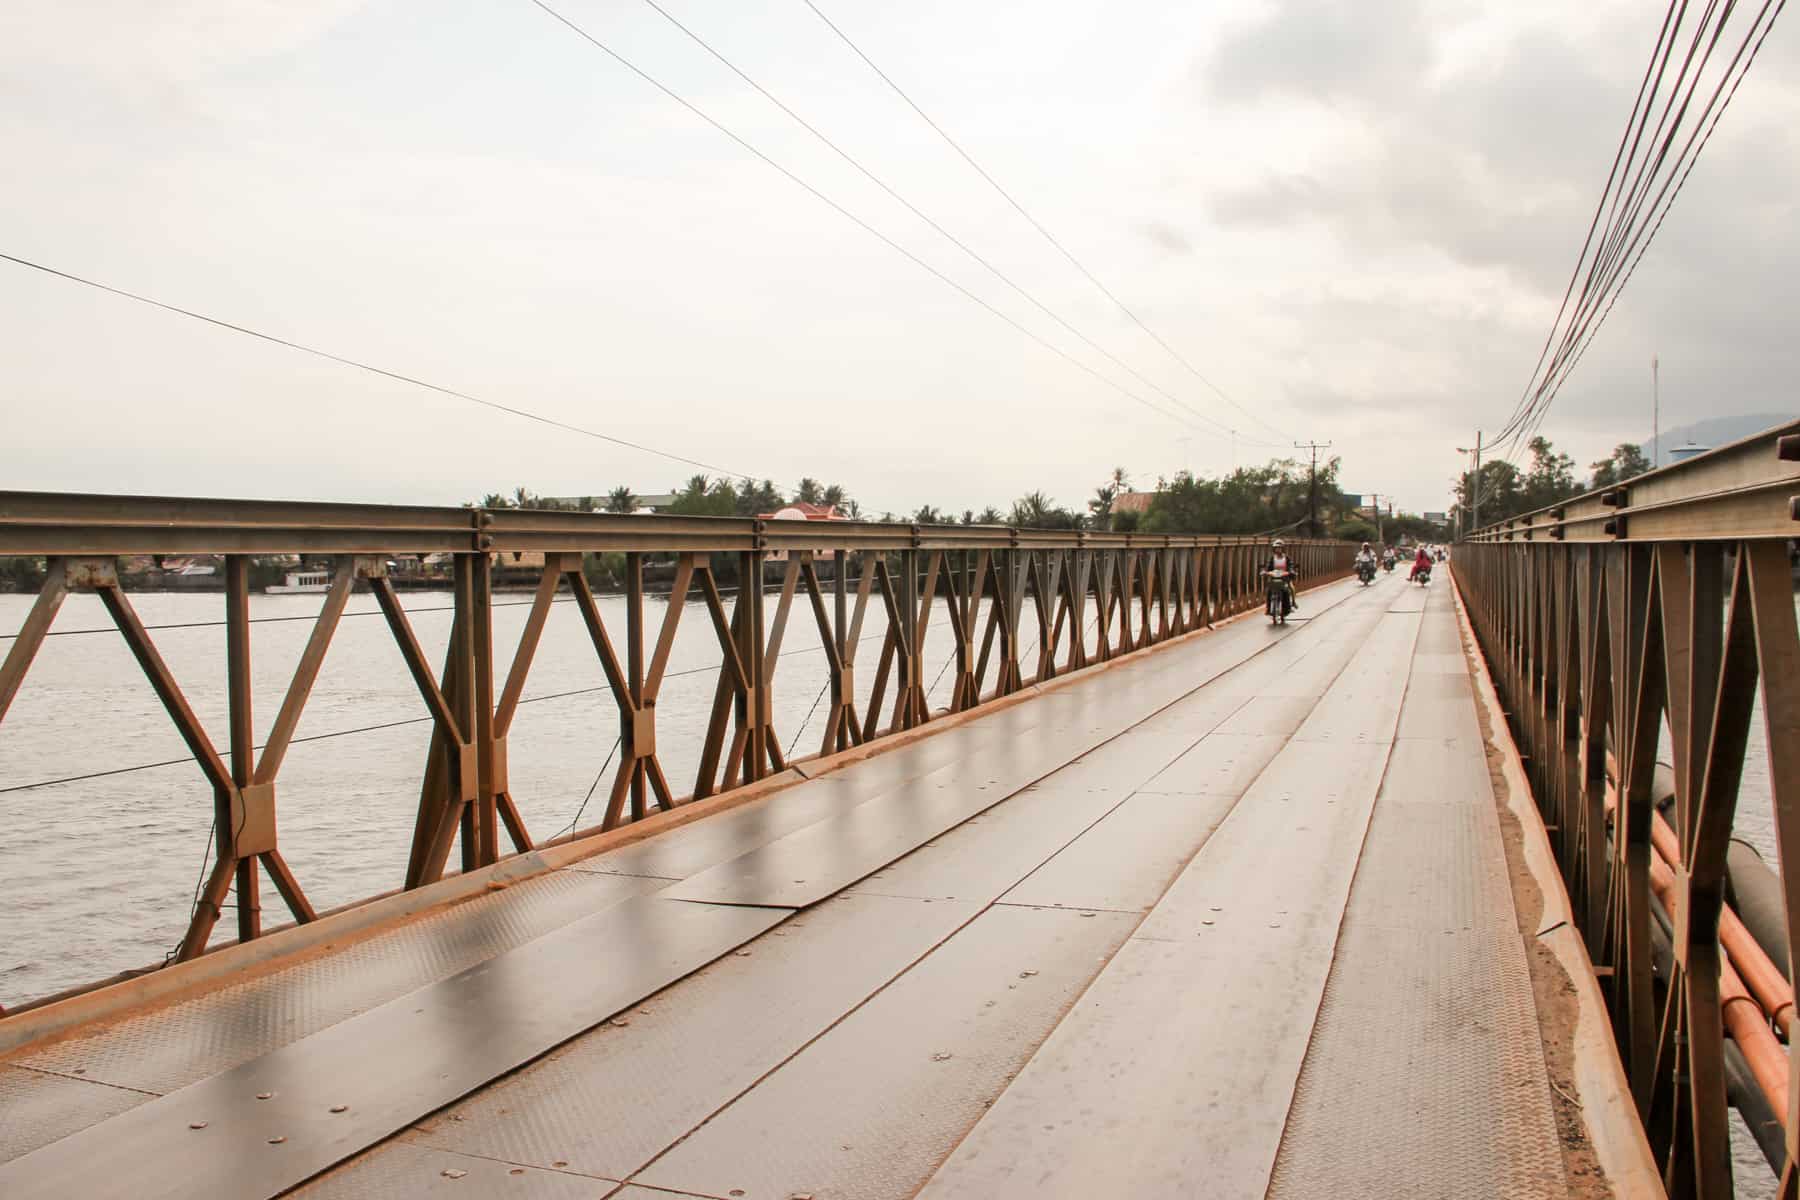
(1280, 561)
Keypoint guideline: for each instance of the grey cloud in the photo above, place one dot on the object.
(1166, 238)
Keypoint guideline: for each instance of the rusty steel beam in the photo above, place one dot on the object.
(1593, 646)
(1095, 596)
(1748, 489)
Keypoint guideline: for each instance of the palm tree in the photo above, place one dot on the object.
(808, 491)
(834, 496)
(620, 500)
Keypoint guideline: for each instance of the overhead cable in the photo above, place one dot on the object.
(1649, 170)
(371, 368)
(914, 209)
(865, 226)
(1039, 226)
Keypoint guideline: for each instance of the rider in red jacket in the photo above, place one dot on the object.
(1421, 563)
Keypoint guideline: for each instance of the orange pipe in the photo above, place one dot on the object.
(1765, 981)
(1744, 1019)
(1760, 974)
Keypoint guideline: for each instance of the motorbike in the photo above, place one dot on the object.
(1387, 564)
(1281, 596)
(1422, 575)
(1365, 571)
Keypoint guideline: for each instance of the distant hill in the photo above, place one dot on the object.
(1714, 432)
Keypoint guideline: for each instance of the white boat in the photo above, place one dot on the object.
(301, 581)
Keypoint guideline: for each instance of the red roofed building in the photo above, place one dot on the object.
(800, 510)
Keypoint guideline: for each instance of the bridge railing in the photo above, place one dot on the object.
(1642, 623)
(1091, 596)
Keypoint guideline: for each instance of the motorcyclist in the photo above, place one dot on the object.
(1387, 557)
(1280, 560)
(1365, 555)
(1421, 564)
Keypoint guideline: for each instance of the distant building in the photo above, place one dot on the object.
(800, 510)
(1133, 502)
(1438, 518)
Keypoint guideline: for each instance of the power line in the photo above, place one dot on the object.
(372, 369)
(1641, 190)
(841, 210)
(1037, 225)
(914, 209)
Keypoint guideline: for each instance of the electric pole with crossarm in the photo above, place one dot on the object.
(1312, 484)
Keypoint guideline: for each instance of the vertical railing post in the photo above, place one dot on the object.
(489, 771)
(242, 737)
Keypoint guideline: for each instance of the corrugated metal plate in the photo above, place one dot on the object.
(613, 1099)
(868, 1110)
(167, 1048)
(388, 1066)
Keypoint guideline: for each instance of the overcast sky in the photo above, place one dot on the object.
(1355, 219)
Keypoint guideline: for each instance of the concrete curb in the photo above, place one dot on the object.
(1607, 1111)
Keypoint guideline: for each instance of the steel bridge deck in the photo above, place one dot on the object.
(1228, 919)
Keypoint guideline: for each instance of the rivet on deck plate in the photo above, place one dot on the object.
(561, 1162)
(264, 1095)
(276, 1141)
(516, 1171)
(196, 1124)
(452, 1173)
(338, 1108)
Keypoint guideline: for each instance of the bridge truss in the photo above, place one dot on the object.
(1653, 614)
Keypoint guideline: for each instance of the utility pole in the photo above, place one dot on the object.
(1312, 485)
(1375, 507)
(1655, 411)
(1474, 484)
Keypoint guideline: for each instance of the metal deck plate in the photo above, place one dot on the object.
(987, 854)
(1127, 860)
(1429, 1007)
(869, 1109)
(1152, 1085)
(388, 1066)
(37, 1109)
(167, 1048)
(418, 1173)
(613, 1099)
